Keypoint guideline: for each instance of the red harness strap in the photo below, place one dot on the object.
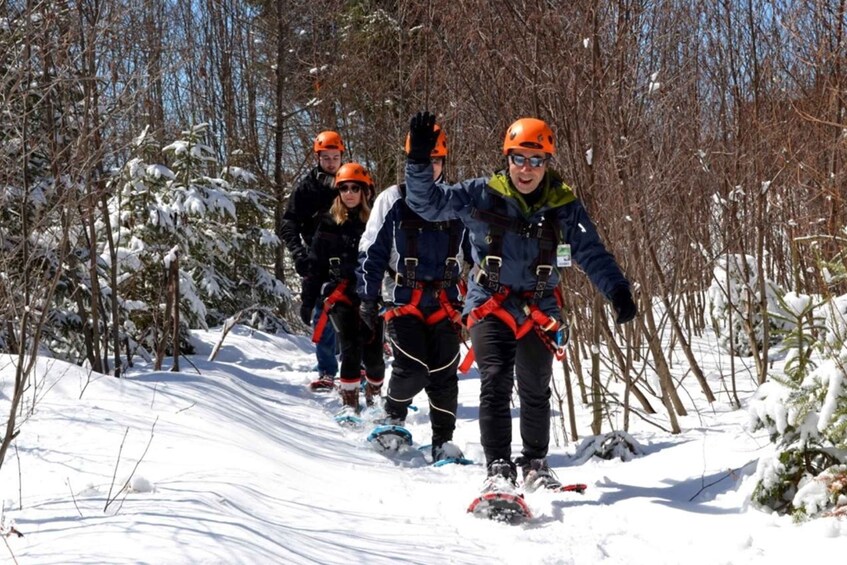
(412, 308)
(535, 319)
(336, 295)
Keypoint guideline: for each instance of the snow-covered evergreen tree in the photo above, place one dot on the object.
(805, 412)
(734, 299)
(214, 221)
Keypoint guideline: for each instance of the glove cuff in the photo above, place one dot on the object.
(418, 158)
(619, 293)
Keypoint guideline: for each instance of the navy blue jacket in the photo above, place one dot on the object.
(438, 202)
(332, 240)
(384, 248)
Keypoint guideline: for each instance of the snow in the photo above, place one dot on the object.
(160, 171)
(235, 461)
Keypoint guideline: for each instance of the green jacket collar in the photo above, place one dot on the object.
(555, 192)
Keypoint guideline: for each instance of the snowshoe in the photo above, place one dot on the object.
(578, 488)
(448, 453)
(325, 383)
(500, 498)
(390, 438)
(538, 475)
(349, 421)
(501, 506)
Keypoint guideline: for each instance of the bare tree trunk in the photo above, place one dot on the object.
(279, 134)
(596, 385)
(113, 281)
(731, 331)
(89, 157)
(575, 355)
(625, 363)
(569, 395)
(670, 398)
(166, 324)
(680, 333)
(628, 384)
(174, 299)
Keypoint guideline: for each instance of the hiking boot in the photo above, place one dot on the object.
(446, 450)
(372, 393)
(537, 474)
(324, 383)
(350, 398)
(502, 477)
(390, 421)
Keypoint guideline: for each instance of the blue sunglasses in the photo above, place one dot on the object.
(520, 160)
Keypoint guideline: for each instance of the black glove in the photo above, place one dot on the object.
(369, 313)
(624, 306)
(302, 265)
(422, 137)
(306, 314)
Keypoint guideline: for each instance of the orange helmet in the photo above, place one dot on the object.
(328, 140)
(529, 133)
(353, 172)
(440, 149)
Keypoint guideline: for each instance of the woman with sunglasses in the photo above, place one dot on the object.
(525, 224)
(334, 254)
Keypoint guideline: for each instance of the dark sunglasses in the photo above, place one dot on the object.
(354, 188)
(520, 160)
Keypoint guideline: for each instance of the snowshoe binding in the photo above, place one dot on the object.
(500, 499)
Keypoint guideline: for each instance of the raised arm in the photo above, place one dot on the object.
(434, 202)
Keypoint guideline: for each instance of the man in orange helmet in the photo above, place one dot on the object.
(309, 200)
(525, 224)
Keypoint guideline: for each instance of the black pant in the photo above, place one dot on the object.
(425, 357)
(500, 357)
(358, 345)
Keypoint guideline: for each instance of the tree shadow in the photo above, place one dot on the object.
(692, 494)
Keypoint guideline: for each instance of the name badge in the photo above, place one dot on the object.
(563, 255)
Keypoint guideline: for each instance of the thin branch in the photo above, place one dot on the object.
(73, 497)
(125, 488)
(109, 498)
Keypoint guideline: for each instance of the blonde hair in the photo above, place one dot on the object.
(339, 211)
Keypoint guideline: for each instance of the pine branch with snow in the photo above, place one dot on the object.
(805, 413)
(220, 225)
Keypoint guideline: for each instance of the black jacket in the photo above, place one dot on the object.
(311, 198)
(334, 241)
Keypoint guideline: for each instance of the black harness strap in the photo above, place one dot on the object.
(413, 225)
(347, 243)
(499, 222)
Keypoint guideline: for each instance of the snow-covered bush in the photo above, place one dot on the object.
(734, 300)
(825, 494)
(613, 445)
(802, 325)
(806, 417)
(216, 224)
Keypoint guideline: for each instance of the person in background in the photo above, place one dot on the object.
(310, 199)
(334, 258)
(424, 261)
(525, 224)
